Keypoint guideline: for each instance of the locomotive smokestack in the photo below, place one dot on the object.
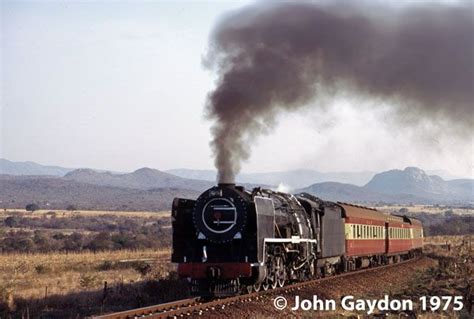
(226, 185)
(279, 57)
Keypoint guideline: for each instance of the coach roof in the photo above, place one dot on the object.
(354, 211)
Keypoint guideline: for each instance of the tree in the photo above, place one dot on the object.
(32, 207)
(71, 208)
(11, 221)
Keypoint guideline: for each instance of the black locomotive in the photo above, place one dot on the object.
(231, 240)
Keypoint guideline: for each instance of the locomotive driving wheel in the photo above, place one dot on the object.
(271, 278)
(312, 269)
(257, 287)
(280, 273)
(249, 289)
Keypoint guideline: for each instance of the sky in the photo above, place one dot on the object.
(121, 85)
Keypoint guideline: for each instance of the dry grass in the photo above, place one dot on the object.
(452, 240)
(85, 213)
(31, 276)
(453, 275)
(430, 209)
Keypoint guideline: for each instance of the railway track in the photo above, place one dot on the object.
(191, 306)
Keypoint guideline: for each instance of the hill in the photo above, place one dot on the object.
(293, 179)
(30, 168)
(58, 193)
(415, 181)
(143, 178)
(411, 185)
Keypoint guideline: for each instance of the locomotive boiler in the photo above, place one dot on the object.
(232, 240)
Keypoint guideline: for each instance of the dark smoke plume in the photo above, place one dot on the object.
(279, 57)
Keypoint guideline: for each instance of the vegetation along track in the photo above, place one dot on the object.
(195, 306)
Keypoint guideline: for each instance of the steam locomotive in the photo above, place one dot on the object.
(231, 240)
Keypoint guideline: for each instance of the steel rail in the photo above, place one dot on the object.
(147, 311)
(193, 305)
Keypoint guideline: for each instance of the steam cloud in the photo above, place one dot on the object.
(279, 57)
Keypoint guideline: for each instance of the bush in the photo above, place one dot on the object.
(143, 268)
(32, 207)
(87, 281)
(42, 269)
(105, 265)
(71, 208)
(12, 221)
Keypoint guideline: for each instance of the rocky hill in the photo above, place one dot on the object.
(411, 185)
(414, 181)
(143, 178)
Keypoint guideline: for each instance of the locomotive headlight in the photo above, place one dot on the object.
(219, 215)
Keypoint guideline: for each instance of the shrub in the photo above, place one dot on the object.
(12, 221)
(87, 281)
(142, 267)
(42, 269)
(105, 265)
(71, 207)
(32, 207)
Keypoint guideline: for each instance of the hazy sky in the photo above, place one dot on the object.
(121, 85)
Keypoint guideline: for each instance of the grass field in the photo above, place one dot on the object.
(85, 213)
(31, 276)
(427, 209)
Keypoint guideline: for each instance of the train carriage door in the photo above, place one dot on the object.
(387, 240)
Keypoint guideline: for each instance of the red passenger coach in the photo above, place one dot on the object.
(416, 234)
(373, 237)
(399, 240)
(364, 228)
